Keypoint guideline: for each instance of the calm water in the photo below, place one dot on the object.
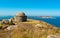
(55, 20)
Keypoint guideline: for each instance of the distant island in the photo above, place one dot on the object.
(46, 17)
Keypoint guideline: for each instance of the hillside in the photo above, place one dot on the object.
(34, 30)
(31, 29)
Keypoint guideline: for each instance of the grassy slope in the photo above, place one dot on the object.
(29, 30)
(4, 34)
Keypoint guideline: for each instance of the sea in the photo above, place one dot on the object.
(55, 20)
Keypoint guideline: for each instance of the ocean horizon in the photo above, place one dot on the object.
(55, 20)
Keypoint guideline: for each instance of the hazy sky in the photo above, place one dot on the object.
(30, 7)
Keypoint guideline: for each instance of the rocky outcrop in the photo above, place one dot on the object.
(53, 36)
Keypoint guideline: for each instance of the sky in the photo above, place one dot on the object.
(30, 7)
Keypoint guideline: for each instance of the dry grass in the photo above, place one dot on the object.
(29, 30)
(5, 34)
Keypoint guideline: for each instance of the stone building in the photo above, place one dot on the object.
(20, 17)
